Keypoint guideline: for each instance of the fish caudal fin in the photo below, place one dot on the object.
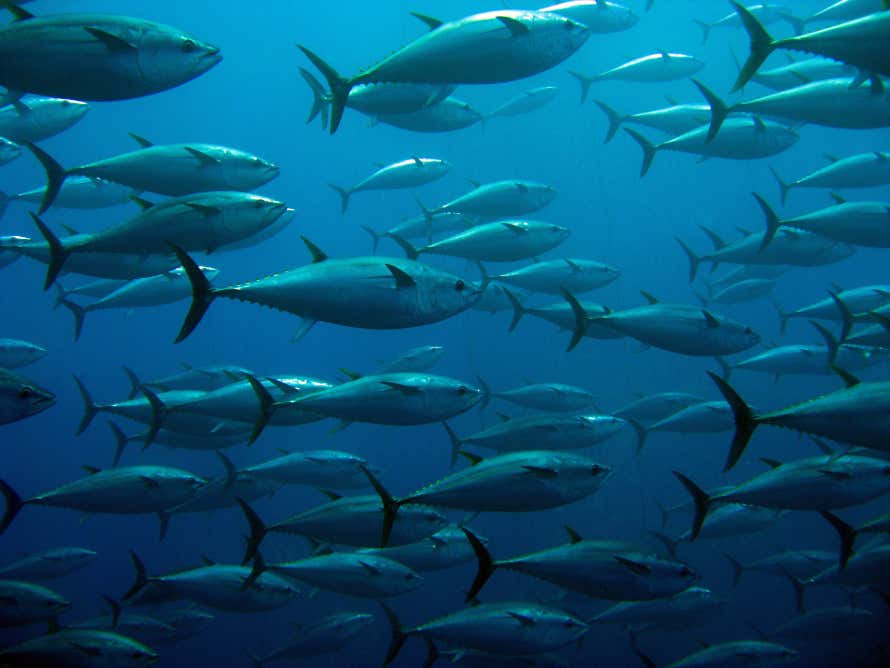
(267, 407)
(375, 236)
(390, 506)
(409, 250)
(783, 187)
(518, 309)
(120, 442)
(581, 319)
(738, 569)
(397, 635)
(783, 315)
(705, 30)
(486, 566)
(55, 176)
(14, 504)
(702, 504)
(320, 100)
(694, 260)
(258, 530)
(79, 313)
(344, 196)
(140, 579)
(745, 420)
(455, 443)
(847, 535)
(584, 81)
(202, 293)
(770, 219)
(719, 110)
(762, 45)
(90, 409)
(57, 252)
(641, 433)
(615, 120)
(339, 86)
(159, 413)
(649, 150)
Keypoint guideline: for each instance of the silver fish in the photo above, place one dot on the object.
(48, 564)
(408, 173)
(15, 353)
(863, 170)
(553, 276)
(23, 603)
(33, 119)
(80, 648)
(319, 636)
(651, 68)
(21, 398)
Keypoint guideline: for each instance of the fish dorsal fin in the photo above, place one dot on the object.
(207, 561)
(333, 496)
(709, 317)
(473, 182)
(648, 297)
(635, 566)
(849, 379)
(772, 463)
(743, 231)
(881, 157)
(759, 125)
(524, 620)
(204, 209)
(417, 161)
(17, 12)
(92, 470)
(142, 203)
(431, 22)
(318, 255)
(112, 42)
(149, 482)
(716, 240)
(351, 375)
(205, 159)
(573, 266)
(20, 107)
(370, 568)
(70, 230)
(403, 279)
(877, 85)
(830, 157)
(515, 228)
(836, 475)
(665, 55)
(407, 390)
(541, 471)
(470, 457)
(671, 100)
(516, 27)
(522, 188)
(837, 198)
(503, 417)
(139, 139)
(826, 449)
(574, 536)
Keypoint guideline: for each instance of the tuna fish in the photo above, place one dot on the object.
(675, 120)
(98, 56)
(554, 276)
(526, 102)
(601, 16)
(692, 607)
(500, 199)
(49, 564)
(444, 549)
(765, 13)
(420, 358)
(408, 173)
(82, 192)
(657, 406)
(736, 654)
(323, 469)
(703, 418)
(15, 353)
(33, 119)
(83, 648)
(800, 72)
(447, 116)
(319, 636)
(23, 603)
(651, 68)
(491, 47)
(743, 291)
(864, 170)
(21, 398)
(557, 397)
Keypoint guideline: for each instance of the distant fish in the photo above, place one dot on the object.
(745, 291)
(674, 120)
(526, 102)
(864, 170)
(765, 13)
(98, 56)
(656, 407)
(318, 636)
(23, 603)
(69, 647)
(446, 116)
(739, 653)
(81, 192)
(48, 564)
(652, 68)
(33, 119)
(553, 276)
(408, 173)
(15, 353)
(801, 72)
(419, 358)
(499, 199)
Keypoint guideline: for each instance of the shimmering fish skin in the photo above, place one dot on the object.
(15, 353)
(37, 118)
(615, 18)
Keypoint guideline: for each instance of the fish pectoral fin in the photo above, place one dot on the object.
(711, 320)
(407, 390)
(149, 482)
(772, 463)
(370, 568)
(635, 566)
(514, 228)
(403, 279)
(525, 620)
(836, 475)
(205, 159)
(92, 470)
(305, 325)
(517, 28)
(203, 208)
(541, 472)
(112, 42)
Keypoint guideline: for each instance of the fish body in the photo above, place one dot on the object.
(547, 432)
(501, 199)
(33, 119)
(446, 548)
(803, 359)
(802, 71)
(528, 101)
(79, 648)
(658, 406)
(845, 10)
(702, 418)
(320, 636)
(23, 603)
(743, 291)
(502, 241)
(553, 276)
(825, 625)
(857, 300)
(15, 353)
(675, 120)
(863, 170)
(858, 223)
(82, 192)
(323, 469)
(419, 358)
(99, 56)
(739, 654)
(353, 574)
(446, 116)
(550, 397)
(49, 564)
(691, 607)
(150, 291)
(408, 173)
(199, 379)
(868, 567)
(600, 16)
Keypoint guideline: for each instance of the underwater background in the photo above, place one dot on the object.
(255, 100)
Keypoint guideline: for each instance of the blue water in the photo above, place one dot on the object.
(255, 100)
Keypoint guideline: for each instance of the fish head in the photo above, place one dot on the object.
(71, 110)
(21, 398)
(578, 476)
(256, 211)
(558, 233)
(451, 395)
(604, 425)
(538, 195)
(741, 337)
(248, 170)
(169, 57)
(452, 294)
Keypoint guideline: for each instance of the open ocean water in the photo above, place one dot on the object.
(255, 100)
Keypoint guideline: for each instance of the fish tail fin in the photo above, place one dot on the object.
(455, 443)
(390, 506)
(694, 260)
(665, 514)
(719, 110)
(486, 392)
(61, 294)
(57, 252)
(738, 569)
(486, 566)
(831, 343)
(344, 196)
(669, 543)
(583, 81)
(745, 420)
(847, 535)
(518, 309)
(266, 408)
(79, 313)
(705, 30)
(784, 316)
(701, 500)
(409, 250)
(114, 608)
(375, 236)
(159, 413)
(432, 653)
(14, 504)
(163, 524)
(90, 409)
(258, 568)
(120, 442)
(615, 119)
(320, 99)
(634, 645)
(140, 579)
(725, 368)
(397, 634)
(762, 45)
(5, 199)
(846, 316)
(799, 590)
(339, 86)
(135, 383)
(771, 220)
(55, 176)
(258, 530)
(202, 293)
(641, 432)
(581, 319)
(649, 150)
(783, 186)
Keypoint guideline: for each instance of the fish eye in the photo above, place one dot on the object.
(596, 469)
(189, 46)
(460, 285)
(26, 392)
(258, 203)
